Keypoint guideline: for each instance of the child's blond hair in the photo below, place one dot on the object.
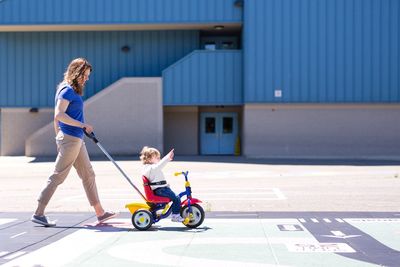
(147, 154)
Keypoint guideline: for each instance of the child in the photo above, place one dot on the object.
(152, 169)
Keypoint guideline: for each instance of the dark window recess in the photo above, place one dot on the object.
(210, 125)
(227, 125)
(227, 45)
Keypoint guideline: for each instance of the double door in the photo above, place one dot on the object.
(219, 132)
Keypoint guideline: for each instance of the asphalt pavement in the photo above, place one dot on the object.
(280, 212)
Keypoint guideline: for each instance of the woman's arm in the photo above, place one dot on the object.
(56, 128)
(60, 115)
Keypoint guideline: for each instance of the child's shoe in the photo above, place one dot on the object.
(176, 218)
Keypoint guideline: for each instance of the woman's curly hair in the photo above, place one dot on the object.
(75, 72)
(147, 154)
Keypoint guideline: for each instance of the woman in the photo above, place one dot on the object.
(69, 125)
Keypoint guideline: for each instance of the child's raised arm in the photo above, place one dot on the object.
(171, 154)
(167, 158)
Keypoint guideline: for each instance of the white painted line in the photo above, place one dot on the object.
(234, 215)
(302, 220)
(314, 220)
(255, 194)
(14, 255)
(341, 235)
(339, 220)
(338, 233)
(125, 197)
(327, 220)
(241, 199)
(290, 227)
(145, 251)
(6, 220)
(236, 193)
(372, 220)
(320, 247)
(14, 236)
(2, 253)
(230, 198)
(60, 251)
(128, 200)
(252, 189)
(279, 193)
(62, 255)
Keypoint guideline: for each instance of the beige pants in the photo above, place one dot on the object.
(71, 152)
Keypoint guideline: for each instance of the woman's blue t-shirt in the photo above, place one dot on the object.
(74, 109)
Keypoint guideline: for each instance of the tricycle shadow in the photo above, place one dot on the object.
(176, 229)
(122, 227)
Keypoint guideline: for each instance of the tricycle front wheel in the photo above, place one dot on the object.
(197, 217)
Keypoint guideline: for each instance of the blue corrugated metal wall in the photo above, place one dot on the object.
(117, 11)
(321, 51)
(205, 78)
(32, 64)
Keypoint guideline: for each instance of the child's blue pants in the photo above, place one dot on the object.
(167, 192)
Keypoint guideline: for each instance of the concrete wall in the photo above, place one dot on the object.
(331, 131)
(181, 130)
(126, 116)
(17, 124)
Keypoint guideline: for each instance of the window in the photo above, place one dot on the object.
(227, 125)
(210, 125)
(210, 46)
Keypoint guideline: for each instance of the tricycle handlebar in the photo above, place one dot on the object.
(183, 173)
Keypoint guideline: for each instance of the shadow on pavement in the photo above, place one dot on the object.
(113, 227)
(179, 229)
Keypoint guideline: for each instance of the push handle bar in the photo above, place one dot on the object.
(91, 136)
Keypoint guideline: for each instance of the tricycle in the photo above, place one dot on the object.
(154, 208)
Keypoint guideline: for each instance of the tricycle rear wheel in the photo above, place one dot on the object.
(142, 219)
